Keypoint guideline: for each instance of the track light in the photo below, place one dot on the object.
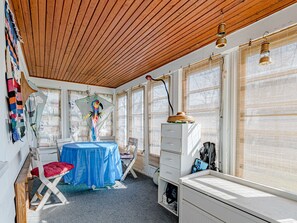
(265, 52)
(221, 41)
(222, 30)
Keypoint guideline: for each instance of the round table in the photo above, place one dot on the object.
(96, 164)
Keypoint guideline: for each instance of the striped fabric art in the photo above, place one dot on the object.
(15, 109)
(15, 102)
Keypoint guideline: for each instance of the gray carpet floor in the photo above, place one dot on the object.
(135, 203)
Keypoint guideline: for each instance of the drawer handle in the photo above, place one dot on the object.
(168, 172)
(170, 131)
(169, 159)
(171, 144)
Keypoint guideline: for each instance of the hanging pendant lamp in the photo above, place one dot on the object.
(265, 52)
(221, 41)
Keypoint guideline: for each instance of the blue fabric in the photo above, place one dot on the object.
(95, 163)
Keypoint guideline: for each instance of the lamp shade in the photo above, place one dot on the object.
(180, 117)
(148, 77)
(222, 30)
(221, 42)
(265, 53)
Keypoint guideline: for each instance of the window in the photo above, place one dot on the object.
(267, 113)
(202, 97)
(50, 125)
(137, 116)
(79, 129)
(107, 127)
(158, 113)
(122, 119)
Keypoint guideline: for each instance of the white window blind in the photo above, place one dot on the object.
(50, 125)
(158, 113)
(107, 127)
(79, 129)
(122, 119)
(267, 113)
(202, 97)
(137, 116)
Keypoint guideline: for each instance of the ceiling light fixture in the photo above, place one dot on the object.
(221, 41)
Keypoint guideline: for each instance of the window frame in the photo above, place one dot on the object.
(123, 94)
(110, 116)
(135, 89)
(45, 89)
(69, 102)
(253, 48)
(198, 67)
(153, 159)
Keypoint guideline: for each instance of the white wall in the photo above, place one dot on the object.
(273, 23)
(12, 156)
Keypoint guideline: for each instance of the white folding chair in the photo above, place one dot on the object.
(49, 174)
(60, 143)
(129, 157)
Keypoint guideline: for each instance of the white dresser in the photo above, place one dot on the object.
(179, 148)
(210, 197)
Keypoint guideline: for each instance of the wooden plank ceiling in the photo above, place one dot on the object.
(108, 43)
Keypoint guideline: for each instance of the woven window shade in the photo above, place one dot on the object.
(50, 126)
(107, 127)
(122, 120)
(136, 123)
(267, 113)
(202, 97)
(79, 129)
(136, 116)
(158, 111)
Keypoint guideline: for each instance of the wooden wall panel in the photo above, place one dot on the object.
(22, 191)
(109, 43)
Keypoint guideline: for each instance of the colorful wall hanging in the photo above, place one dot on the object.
(95, 111)
(13, 80)
(12, 36)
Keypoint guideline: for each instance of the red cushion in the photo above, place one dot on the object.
(53, 169)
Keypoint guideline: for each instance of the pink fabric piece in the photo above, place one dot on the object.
(10, 85)
(19, 96)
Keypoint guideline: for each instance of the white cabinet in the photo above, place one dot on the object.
(192, 214)
(179, 148)
(210, 196)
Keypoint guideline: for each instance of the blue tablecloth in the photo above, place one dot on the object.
(95, 163)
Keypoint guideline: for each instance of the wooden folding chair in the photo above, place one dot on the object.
(60, 143)
(128, 159)
(49, 174)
